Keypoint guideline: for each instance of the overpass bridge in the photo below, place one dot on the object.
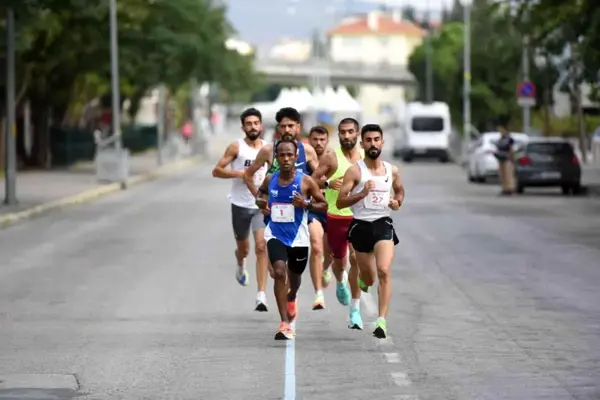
(338, 73)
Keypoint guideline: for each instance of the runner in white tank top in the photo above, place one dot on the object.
(367, 189)
(245, 215)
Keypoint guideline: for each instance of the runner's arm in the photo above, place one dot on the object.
(345, 199)
(317, 201)
(323, 171)
(397, 184)
(221, 171)
(311, 157)
(263, 156)
(263, 193)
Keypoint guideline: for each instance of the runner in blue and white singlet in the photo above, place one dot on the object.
(285, 196)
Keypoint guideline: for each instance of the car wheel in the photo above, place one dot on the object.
(407, 159)
(576, 188)
(443, 159)
(566, 190)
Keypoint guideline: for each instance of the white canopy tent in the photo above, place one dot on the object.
(347, 101)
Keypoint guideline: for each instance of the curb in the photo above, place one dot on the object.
(95, 193)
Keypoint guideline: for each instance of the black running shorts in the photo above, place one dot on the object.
(296, 258)
(363, 235)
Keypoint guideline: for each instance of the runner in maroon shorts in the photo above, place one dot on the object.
(330, 173)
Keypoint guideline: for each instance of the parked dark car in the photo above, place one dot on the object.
(546, 163)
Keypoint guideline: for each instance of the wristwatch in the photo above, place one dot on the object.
(326, 184)
(309, 207)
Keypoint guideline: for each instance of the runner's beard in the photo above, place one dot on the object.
(373, 152)
(348, 144)
(252, 135)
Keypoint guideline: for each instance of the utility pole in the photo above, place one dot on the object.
(467, 73)
(114, 73)
(526, 107)
(160, 131)
(576, 73)
(428, 59)
(10, 170)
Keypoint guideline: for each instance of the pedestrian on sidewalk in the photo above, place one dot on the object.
(506, 158)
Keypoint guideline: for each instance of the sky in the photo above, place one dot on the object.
(262, 22)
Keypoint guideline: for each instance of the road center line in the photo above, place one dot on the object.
(289, 391)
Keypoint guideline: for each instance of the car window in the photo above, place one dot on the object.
(551, 149)
(427, 124)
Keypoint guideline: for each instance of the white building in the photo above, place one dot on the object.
(291, 50)
(376, 38)
(240, 46)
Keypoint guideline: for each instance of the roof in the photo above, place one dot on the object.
(386, 25)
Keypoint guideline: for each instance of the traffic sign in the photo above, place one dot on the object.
(526, 89)
(526, 94)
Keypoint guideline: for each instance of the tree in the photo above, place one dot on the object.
(496, 48)
(63, 54)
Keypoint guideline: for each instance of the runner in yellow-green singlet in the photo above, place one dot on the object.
(329, 174)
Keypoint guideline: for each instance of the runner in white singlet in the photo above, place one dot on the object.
(367, 189)
(245, 215)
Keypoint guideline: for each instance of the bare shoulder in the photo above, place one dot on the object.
(234, 147)
(353, 171)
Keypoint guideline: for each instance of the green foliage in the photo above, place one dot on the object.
(63, 49)
(497, 34)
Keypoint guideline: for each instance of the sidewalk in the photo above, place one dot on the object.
(39, 187)
(590, 178)
(42, 191)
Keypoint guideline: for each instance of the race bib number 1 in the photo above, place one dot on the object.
(283, 213)
(377, 199)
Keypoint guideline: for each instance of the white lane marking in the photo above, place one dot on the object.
(392, 358)
(400, 379)
(406, 397)
(289, 391)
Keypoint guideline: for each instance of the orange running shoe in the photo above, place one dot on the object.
(285, 332)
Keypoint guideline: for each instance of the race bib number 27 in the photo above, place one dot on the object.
(377, 199)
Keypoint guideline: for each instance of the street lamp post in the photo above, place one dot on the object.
(428, 58)
(541, 62)
(114, 73)
(10, 170)
(467, 73)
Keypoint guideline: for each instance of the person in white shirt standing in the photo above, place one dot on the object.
(245, 215)
(366, 189)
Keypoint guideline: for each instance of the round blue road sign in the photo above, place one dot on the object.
(526, 89)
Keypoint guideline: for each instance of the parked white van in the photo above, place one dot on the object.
(425, 132)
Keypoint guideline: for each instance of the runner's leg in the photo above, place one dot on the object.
(353, 276)
(337, 234)
(297, 259)
(278, 255)
(241, 220)
(385, 239)
(327, 261)
(316, 261)
(384, 254)
(361, 241)
(260, 249)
